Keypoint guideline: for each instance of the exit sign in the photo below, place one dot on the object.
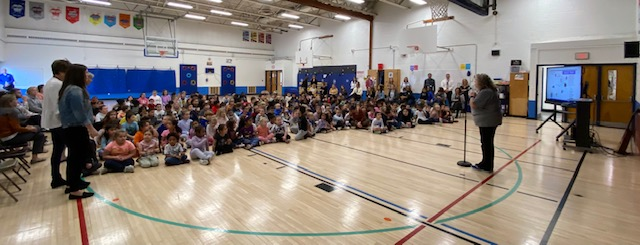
(582, 56)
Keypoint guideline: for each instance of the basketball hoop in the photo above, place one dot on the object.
(162, 53)
(439, 11)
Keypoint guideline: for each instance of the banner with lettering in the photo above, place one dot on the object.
(245, 35)
(254, 37)
(268, 38)
(138, 22)
(110, 20)
(73, 14)
(16, 8)
(36, 10)
(125, 20)
(95, 18)
(261, 37)
(55, 12)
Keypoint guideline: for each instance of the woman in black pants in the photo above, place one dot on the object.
(485, 107)
(76, 115)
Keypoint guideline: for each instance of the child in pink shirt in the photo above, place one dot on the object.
(119, 154)
(264, 134)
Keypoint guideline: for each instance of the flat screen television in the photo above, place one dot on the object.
(564, 84)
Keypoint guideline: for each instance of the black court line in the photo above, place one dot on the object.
(471, 129)
(375, 202)
(475, 152)
(504, 148)
(430, 169)
(563, 201)
(281, 167)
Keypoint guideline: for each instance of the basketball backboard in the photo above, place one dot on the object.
(304, 58)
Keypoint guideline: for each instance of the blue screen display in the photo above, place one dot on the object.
(564, 83)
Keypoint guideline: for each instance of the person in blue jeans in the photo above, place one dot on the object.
(174, 152)
(249, 134)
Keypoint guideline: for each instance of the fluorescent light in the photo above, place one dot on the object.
(195, 17)
(179, 5)
(419, 2)
(97, 2)
(295, 26)
(290, 16)
(216, 1)
(357, 1)
(239, 23)
(342, 17)
(213, 11)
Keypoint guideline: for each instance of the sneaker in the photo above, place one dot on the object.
(248, 147)
(103, 171)
(128, 169)
(204, 162)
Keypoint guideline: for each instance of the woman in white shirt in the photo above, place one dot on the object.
(156, 98)
(356, 93)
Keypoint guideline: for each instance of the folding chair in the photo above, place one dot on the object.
(6, 165)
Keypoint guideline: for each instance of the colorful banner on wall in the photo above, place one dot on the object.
(95, 18)
(16, 8)
(246, 38)
(261, 37)
(55, 12)
(110, 20)
(254, 37)
(138, 22)
(268, 38)
(73, 14)
(36, 10)
(125, 20)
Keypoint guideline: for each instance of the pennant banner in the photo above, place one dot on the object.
(125, 20)
(245, 35)
(73, 14)
(138, 22)
(268, 38)
(254, 37)
(55, 12)
(110, 20)
(95, 18)
(36, 10)
(261, 37)
(16, 8)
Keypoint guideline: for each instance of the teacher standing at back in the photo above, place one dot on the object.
(485, 108)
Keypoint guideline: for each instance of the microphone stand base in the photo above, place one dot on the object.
(464, 164)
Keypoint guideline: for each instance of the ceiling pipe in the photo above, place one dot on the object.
(293, 10)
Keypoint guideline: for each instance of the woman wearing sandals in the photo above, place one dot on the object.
(12, 133)
(76, 115)
(485, 107)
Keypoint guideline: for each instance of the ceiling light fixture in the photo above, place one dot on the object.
(342, 17)
(239, 23)
(419, 2)
(295, 26)
(290, 16)
(195, 17)
(216, 1)
(357, 1)
(179, 5)
(213, 11)
(97, 2)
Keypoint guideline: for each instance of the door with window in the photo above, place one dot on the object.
(272, 80)
(616, 95)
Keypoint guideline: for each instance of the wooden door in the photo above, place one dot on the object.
(590, 75)
(278, 82)
(616, 94)
(392, 77)
(272, 81)
(518, 94)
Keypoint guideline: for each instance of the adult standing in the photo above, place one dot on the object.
(485, 107)
(8, 83)
(465, 88)
(405, 83)
(447, 85)
(156, 98)
(356, 93)
(51, 118)
(76, 117)
(430, 82)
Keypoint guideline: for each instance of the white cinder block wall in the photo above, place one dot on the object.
(4, 10)
(519, 24)
(29, 59)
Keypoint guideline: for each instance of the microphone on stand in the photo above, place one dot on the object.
(464, 162)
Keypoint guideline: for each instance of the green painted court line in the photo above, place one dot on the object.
(346, 233)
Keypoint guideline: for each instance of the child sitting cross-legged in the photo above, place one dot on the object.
(377, 124)
(223, 141)
(264, 133)
(173, 151)
(200, 146)
(279, 129)
(148, 148)
(119, 154)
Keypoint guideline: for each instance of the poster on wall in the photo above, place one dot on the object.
(261, 37)
(245, 36)
(55, 12)
(16, 8)
(125, 20)
(95, 18)
(613, 84)
(36, 10)
(254, 37)
(73, 14)
(268, 38)
(138, 22)
(110, 20)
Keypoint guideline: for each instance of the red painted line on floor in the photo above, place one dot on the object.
(83, 224)
(445, 209)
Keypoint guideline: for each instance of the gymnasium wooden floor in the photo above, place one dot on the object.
(403, 186)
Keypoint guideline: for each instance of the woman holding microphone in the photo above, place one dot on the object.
(487, 115)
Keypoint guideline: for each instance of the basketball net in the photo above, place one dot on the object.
(162, 53)
(439, 10)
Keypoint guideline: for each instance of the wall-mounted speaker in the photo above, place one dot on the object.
(495, 52)
(632, 49)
